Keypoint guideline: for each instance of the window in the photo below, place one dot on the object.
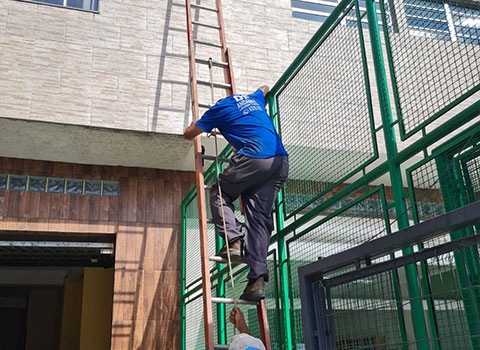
(55, 185)
(87, 5)
(59, 185)
(443, 21)
(37, 184)
(319, 10)
(3, 181)
(466, 24)
(17, 183)
(93, 188)
(74, 186)
(110, 188)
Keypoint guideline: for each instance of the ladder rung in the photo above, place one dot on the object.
(223, 160)
(231, 301)
(204, 105)
(242, 224)
(214, 63)
(221, 260)
(213, 26)
(204, 7)
(217, 259)
(217, 85)
(201, 42)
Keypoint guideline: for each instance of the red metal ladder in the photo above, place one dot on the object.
(224, 63)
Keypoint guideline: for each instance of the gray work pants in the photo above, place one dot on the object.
(258, 182)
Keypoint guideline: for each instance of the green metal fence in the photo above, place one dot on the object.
(358, 84)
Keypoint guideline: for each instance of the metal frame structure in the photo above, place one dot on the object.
(355, 188)
(311, 274)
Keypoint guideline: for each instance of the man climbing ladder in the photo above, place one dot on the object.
(257, 172)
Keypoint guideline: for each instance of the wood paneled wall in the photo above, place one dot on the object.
(146, 220)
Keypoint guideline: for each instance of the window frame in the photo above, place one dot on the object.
(39, 2)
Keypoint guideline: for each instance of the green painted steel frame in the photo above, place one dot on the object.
(324, 32)
(418, 317)
(183, 269)
(466, 263)
(403, 133)
(391, 165)
(419, 146)
(282, 264)
(455, 141)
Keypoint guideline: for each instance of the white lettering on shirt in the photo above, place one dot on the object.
(246, 104)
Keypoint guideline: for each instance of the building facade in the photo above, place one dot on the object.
(94, 99)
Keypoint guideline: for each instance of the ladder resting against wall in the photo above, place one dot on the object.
(228, 85)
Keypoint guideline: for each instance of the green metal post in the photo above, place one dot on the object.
(183, 279)
(465, 260)
(282, 252)
(426, 285)
(221, 321)
(418, 316)
(395, 278)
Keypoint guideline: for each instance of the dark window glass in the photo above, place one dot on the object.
(467, 24)
(309, 16)
(17, 183)
(37, 184)
(313, 7)
(93, 187)
(74, 186)
(56, 185)
(110, 188)
(52, 2)
(83, 4)
(3, 182)
(427, 19)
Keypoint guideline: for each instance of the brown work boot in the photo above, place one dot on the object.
(235, 250)
(255, 291)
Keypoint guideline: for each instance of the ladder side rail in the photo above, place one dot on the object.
(206, 284)
(263, 324)
(227, 71)
(230, 79)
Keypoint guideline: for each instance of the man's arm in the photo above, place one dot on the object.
(192, 131)
(238, 320)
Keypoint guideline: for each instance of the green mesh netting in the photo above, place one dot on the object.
(359, 223)
(325, 117)
(434, 51)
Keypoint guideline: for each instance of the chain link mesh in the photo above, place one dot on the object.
(434, 48)
(447, 181)
(195, 331)
(325, 117)
(473, 171)
(365, 314)
(356, 225)
(365, 311)
(446, 293)
(193, 259)
(250, 311)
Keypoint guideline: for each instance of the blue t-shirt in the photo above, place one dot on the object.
(245, 124)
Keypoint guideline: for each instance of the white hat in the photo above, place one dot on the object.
(244, 341)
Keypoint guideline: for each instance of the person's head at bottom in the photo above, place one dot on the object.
(243, 341)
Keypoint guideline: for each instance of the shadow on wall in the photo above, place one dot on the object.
(149, 300)
(168, 28)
